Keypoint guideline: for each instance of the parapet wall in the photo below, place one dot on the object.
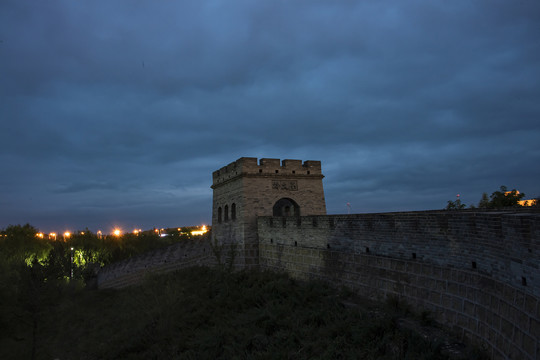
(475, 271)
(194, 252)
(248, 166)
(503, 245)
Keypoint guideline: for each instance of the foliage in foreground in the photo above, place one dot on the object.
(78, 255)
(202, 313)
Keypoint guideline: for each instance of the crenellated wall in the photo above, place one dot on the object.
(194, 252)
(246, 166)
(477, 272)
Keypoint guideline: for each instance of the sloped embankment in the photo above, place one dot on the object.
(203, 313)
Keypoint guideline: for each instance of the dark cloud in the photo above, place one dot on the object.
(118, 112)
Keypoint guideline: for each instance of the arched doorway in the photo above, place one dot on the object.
(286, 207)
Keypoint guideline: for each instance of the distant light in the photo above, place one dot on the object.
(200, 232)
(52, 236)
(71, 249)
(67, 234)
(117, 232)
(40, 235)
(136, 232)
(529, 202)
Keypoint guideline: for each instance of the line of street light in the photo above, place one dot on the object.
(118, 232)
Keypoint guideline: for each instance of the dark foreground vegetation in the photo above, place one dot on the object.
(77, 256)
(202, 313)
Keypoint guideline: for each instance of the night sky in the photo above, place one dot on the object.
(116, 113)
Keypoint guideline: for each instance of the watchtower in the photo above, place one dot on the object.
(246, 189)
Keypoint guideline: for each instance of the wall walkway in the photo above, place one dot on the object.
(194, 252)
(477, 272)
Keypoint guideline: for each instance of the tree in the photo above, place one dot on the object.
(484, 201)
(455, 205)
(20, 244)
(504, 198)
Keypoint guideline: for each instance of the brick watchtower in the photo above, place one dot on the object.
(245, 189)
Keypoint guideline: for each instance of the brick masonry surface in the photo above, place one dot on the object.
(194, 252)
(477, 272)
(252, 188)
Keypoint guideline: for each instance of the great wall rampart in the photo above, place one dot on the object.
(475, 271)
(193, 252)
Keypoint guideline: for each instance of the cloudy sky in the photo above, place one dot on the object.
(115, 113)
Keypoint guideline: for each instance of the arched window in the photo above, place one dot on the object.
(226, 212)
(233, 211)
(286, 207)
(219, 214)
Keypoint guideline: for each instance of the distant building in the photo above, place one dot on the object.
(529, 202)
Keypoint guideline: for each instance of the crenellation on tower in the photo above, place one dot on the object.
(313, 166)
(249, 166)
(236, 168)
(291, 164)
(266, 163)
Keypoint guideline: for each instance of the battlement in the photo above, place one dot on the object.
(474, 270)
(249, 166)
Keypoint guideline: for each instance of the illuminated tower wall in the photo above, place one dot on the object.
(246, 189)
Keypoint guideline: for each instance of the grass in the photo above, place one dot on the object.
(202, 313)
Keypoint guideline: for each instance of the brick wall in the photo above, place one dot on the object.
(477, 272)
(131, 271)
(254, 187)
